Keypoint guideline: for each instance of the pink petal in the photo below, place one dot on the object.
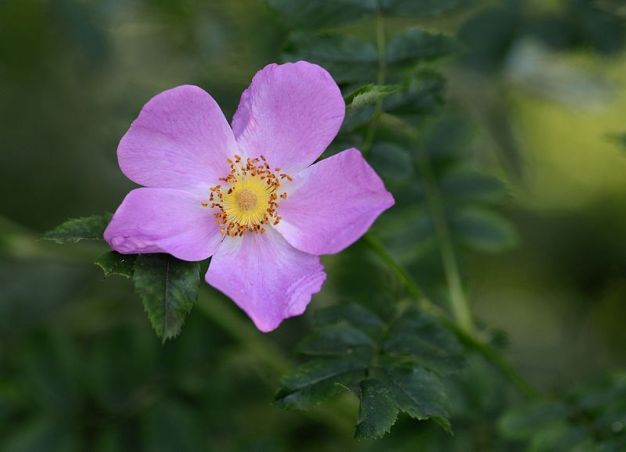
(332, 204)
(163, 220)
(180, 140)
(267, 278)
(289, 114)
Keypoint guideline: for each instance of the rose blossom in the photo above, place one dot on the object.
(250, 196)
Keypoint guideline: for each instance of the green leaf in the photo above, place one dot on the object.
(414, 45)
(318, 380)
(348, 59)
(322, 13)
(114, 263)
(340, 339)
(420, 95)
(369, 94)
(522, 422)
(419, 337)
(86, 228)
(378, 410)
(420, 9)
(419, 392)
(483, 229)
(592, 417)
(472, 184)
(168, 288)
(391, 366)
(391, 161)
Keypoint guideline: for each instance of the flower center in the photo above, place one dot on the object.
(249, 199)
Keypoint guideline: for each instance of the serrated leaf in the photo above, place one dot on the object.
(420, 9)
(114, 263)
(419, 392)
(420, 337)
(378, 410)
(483, 229)
(417, 97)
(168, 288)
(348, 59)
(318, 380)
(369, 94)
(322, 13)
(353, 314)
(422, 94)
(415, 45)
(75, 230)
(340, 339)
(383, 363)
(361, 103)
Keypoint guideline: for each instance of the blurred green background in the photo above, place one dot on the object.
(543, 85)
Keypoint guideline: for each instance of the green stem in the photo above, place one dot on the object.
(458, 301)
(380, 79)
(484, 349)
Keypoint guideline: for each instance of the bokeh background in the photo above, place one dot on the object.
(542, 87)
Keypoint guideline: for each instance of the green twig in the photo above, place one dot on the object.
(458, 301)
(380, 79)
(490, 354)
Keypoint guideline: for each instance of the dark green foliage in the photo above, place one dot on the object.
(590, 419)
(349, 59)
(392, 365)
(483, 229)
(114, 263)
(322, 13)
(415, 45)
(86, 228)
(412, 100)
(328, 13)
(420, 9)
(168, 288)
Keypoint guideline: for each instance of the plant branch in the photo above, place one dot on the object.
(380, 79)
(458, 301)
(484, 349)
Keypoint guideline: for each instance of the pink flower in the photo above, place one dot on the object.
(251, 196)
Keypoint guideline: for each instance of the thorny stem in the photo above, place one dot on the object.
(380, 79)
(469, 338)
(460, 306)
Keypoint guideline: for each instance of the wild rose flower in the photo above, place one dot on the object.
(250, 196)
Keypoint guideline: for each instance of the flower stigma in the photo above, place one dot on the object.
(248, 200)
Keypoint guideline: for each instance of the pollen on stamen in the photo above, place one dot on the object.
(249, 199)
